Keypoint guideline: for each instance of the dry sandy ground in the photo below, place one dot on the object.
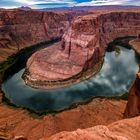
(18, 122)
(126, 129)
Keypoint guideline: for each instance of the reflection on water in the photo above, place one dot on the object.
(115, 78)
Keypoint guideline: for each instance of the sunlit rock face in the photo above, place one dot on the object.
(22, 28)
(133, 105)
(82, 46)
(127, 129)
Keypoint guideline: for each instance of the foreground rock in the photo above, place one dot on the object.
(133, 105)
(127, 129)
(81, 49)
(17, 122)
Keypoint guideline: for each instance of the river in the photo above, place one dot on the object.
(114, 79)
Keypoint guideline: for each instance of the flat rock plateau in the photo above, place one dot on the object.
(85, 35)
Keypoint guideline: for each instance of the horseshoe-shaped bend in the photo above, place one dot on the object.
(80, 53)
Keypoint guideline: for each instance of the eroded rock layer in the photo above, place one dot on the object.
(22, 28)
(81, 49)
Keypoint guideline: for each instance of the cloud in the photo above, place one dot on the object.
(66, 3)
(108, 2)
(35, 3)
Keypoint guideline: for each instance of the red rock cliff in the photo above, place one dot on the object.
(20, 28)
(133, 105)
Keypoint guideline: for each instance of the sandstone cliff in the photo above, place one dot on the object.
(81, 48)
(133, 105)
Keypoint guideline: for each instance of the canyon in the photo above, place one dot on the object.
(88, 36)
(83, 46)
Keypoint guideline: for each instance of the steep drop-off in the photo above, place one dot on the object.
(81, 49)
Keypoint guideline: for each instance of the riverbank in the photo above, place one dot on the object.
(18, 61)
(84, 75)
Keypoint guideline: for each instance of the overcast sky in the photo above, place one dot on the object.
(61, 3)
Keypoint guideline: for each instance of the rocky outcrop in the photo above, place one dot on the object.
(135, 44)
(127, 129)
(22, 28)
(18, 122)
(11, 137)
(133, 105)
(81, 49)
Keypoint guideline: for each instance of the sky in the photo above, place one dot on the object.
(37, 4)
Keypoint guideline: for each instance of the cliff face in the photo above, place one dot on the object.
(20, 28)
(133, 105)
(92, 33)
(82, 46)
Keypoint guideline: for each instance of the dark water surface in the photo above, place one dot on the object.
(115, 78)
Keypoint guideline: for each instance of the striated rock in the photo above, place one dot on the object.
(81, 49)
(133, 105)
(21, 28)
(127, 129)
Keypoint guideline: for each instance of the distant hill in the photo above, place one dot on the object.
(26, 8)
(110, 7)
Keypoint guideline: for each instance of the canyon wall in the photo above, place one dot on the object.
(21, 28)
(133, 105)
(92, 33)
(82, 47)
